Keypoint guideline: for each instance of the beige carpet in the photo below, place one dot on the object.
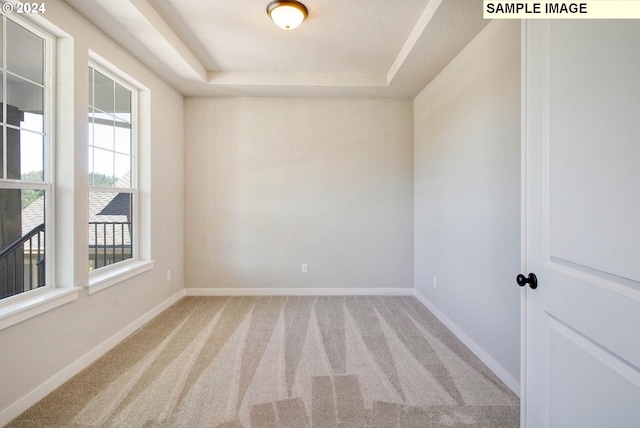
(284, 362)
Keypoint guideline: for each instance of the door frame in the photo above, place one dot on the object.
(523, 220)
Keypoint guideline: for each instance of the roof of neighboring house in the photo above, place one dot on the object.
(33, 215)
(104, 208)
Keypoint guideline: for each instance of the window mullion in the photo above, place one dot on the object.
(113, 121)
(24, 185)
(102, 189)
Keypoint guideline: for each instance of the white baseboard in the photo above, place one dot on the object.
(299, 291)
(488, 360)
(14, 410)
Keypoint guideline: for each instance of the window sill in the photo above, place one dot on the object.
(112, 275)
(29, 307)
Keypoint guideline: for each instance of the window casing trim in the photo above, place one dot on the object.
(38, 302)
(116, 273)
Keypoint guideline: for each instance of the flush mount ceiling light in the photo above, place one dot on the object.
(287, 14)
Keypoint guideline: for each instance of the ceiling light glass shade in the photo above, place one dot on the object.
(287, 14)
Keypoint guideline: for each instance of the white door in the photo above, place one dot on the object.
(581, 130)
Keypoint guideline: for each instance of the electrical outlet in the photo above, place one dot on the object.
(435, 282)
(303, 268)
(168, 275)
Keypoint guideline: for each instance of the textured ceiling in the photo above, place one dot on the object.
(358, 48)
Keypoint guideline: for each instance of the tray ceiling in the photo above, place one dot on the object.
(355, 48)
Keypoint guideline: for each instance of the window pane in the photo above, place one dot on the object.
(123, 171)
(22, 241)
(103, 134)
(13, 154)
(103, 167)
(25, 53)
(103, 93)
(1, 151)
(31, 156)
(91, 180)
(123, 103)
(33, 122)
(101, 179)
(110, 228)
(1, 43)
(1, 90)
(24, 98)
(123, 138)
(90, 89)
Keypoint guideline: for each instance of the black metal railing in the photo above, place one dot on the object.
(109, 242)
(22, 265)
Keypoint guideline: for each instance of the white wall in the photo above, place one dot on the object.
(467, 192)
(35, 350)
(275, 182)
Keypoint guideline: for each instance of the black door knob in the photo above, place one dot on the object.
(532, 280)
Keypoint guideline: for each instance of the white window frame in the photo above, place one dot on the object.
(47, 184)
(120, 271)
